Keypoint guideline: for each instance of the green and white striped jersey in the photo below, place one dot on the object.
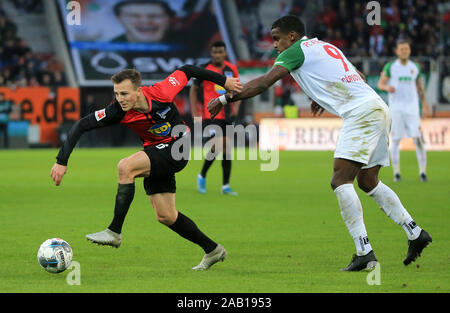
(325, 75)
(403, 78)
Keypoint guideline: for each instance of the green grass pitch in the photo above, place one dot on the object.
(284, 232)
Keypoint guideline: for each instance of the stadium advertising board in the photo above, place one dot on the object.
(154, 37)
(322, 134)
(39, 106)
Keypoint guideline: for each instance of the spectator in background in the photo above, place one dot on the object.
(417, 20)
(328, 16)
(376, 40)
(5, 109)
(20, 67)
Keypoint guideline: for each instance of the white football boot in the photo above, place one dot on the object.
(106, 238)
(218, 254)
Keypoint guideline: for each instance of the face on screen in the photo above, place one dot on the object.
(144, 22)
(126, 94)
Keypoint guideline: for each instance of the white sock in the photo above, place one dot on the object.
(395, 156)
(351, 212)
(421, 154)
(390, 204)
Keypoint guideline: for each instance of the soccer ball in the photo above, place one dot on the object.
(55, 255)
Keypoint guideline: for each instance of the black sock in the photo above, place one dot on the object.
(208, 162)
(187, 229)
(124, 197)
(226, 170)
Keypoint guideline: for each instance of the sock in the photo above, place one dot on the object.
(421, 154)
(390, 204)
(226, 170)
(351, 212)
(187, 229)
(124, 197)
(395, 156)
(207, 164)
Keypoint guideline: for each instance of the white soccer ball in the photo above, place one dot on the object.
(55, 255)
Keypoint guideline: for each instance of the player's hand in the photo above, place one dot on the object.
(425, 111)
(58, 172)
(214, 106)
(316, 109)
(390, 89)
(233, 84)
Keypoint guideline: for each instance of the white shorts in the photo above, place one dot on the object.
(404, 124)
(364, 136)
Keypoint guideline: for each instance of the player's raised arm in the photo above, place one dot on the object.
(251, 89)
(167, 89)
(229, 83)
(112, 114)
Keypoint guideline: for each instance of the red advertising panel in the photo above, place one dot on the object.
(40, 106)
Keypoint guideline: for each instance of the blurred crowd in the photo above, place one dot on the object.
(20, 67)
(33, 6)
(344, 24)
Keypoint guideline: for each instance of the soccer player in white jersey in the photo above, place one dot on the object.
(401, 79)
(327, 77)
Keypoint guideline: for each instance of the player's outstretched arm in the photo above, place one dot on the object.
(229, 83)
(108, 116)
(251, 89)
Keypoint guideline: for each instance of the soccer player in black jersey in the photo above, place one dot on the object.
(151, 113)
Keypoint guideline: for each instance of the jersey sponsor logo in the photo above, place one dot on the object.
(100, 114)
(404, 79)
(162, 129)
(174, 81)
(163, 113)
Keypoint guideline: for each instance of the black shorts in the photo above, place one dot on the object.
(222, 124)
(162, 169)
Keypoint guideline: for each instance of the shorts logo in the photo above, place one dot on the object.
(101, 114)
(174, 81)
(160, 129)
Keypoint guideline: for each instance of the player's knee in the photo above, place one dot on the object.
(166, 219)
(335, 182)
(124, 168)
(366, 183)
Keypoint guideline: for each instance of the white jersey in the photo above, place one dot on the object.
(403, 78)
(326, 76)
